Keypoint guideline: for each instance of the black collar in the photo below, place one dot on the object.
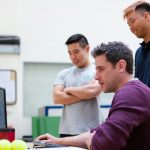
(145, 44)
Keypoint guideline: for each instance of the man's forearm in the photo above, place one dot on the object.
(84, 92)
(77, 141)
(64, 98)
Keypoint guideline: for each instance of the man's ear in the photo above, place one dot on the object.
(121, 65)
(87, 48)
(147, 16)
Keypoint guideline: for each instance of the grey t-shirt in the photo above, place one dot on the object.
(83, 115)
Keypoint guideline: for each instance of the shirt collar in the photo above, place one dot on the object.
(145, 44)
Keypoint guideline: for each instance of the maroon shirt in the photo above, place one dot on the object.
(128, 124)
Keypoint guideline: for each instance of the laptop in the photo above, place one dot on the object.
(3, 115)
(42, 144)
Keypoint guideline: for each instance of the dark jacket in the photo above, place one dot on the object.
(142, 63)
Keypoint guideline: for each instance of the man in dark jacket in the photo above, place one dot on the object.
(138, 19)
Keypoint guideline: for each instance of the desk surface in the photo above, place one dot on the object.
(58, 148)
(30, 145)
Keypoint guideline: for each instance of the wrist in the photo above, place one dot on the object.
(91, 147)
(69, 90)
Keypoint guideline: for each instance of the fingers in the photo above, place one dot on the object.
(43, 137)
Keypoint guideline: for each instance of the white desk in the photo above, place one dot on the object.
(30, 145)
(59, 148)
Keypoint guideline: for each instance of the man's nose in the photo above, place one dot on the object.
(97, 76)
(73, 56)
(132, 29)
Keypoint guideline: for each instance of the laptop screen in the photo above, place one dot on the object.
(3, 116)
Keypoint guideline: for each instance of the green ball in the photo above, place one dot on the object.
(5, 145)
(18, 145)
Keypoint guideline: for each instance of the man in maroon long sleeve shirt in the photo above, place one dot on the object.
(128, 124)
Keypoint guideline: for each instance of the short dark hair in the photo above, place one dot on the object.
(144, 7)
(141, 6)
(115, 51)
(78, 38)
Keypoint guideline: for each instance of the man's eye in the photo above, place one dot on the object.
(99, 69)
(132, 21)
(76, 52)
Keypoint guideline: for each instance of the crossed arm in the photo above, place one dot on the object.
(72, 95)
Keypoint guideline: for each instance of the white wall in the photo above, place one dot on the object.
(44, 26)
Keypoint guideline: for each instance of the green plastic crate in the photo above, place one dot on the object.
(45, 124)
